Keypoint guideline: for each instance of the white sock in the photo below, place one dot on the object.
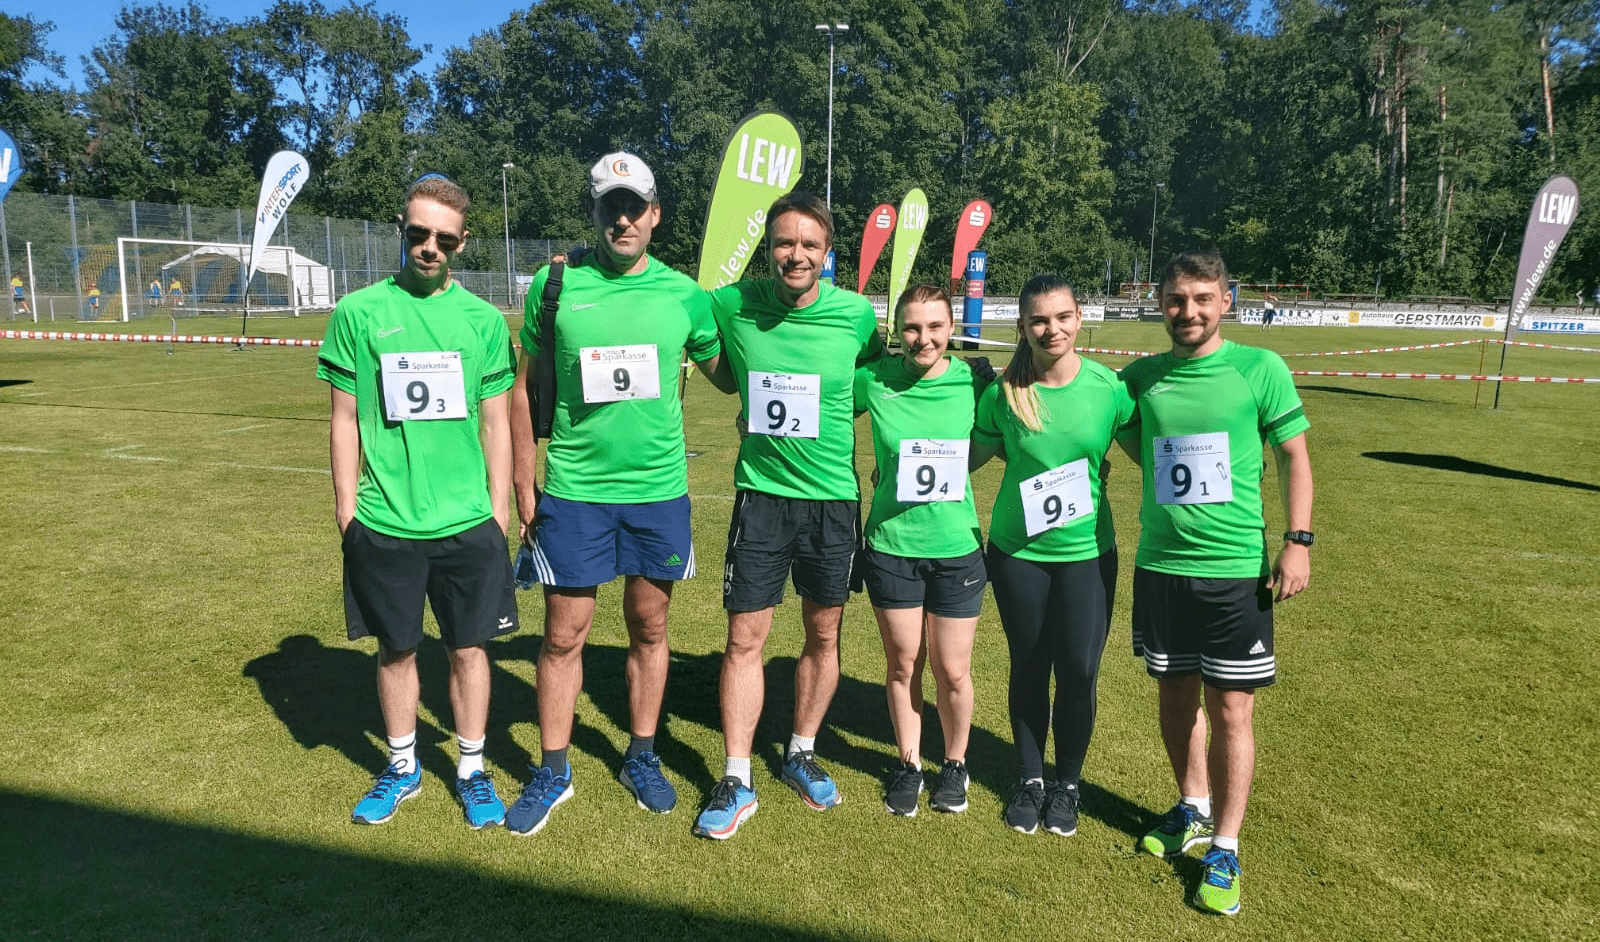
(403, 752)
(799, 743)
(1201, 804)
(1230, 844)
(739, 769)
(471, 756)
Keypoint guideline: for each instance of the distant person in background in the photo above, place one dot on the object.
(18, 300)
(1597, 299)
(420, 449)
(155, 293)
(1268, 312)
(1580, 302)
(94, 300)
(176, 291)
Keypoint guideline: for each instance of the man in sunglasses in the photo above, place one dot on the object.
(616, 486)
(420, 445)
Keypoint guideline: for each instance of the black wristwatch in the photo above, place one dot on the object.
(1303, 537)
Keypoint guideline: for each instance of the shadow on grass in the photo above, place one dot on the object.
(1465, 466)
(326, 696)
(14, 382)
(73, 871)
(1367, 393)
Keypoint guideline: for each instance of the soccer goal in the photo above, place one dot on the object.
(176, 278)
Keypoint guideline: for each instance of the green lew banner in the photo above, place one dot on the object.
(762, 162)
(907, 239)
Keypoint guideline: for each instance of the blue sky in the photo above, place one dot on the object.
(91, 22)
(442, 24)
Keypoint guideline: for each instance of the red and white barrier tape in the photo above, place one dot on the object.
(1477, 378)
(1356, 374)
(1351, 353)
(158, 338)
(1547, 346)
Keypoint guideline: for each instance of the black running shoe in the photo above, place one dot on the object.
(1023, 812)
(1061, 809)
(905, 787)
(950, 788)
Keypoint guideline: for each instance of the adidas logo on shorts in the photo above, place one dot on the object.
(1258, 648)
(674, 560)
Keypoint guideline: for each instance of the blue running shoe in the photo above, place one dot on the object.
(642, 776)
(802, 773)
(542, 793)
(392, 787)
(479, 803)
(732, 803)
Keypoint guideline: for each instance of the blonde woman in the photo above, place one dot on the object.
(1052, 551)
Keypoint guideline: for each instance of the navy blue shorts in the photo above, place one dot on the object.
(577, 545)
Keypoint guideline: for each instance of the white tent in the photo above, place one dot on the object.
(313, 282)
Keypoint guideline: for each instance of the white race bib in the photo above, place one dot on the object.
(1057, 497)
(612, 374)
(422, 386)
(1193, 469)
(785, 405)
(931, 469)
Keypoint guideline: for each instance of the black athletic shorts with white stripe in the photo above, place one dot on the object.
(1219, 628)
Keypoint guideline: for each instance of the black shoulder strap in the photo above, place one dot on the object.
(548, 302)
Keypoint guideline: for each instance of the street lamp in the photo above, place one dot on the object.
(1149, 271)
(832, 30)
(505, 206)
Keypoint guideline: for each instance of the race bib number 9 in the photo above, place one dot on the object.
(931, 469)
(785, 405)
(612, 374)
(1057, 497)
(1193, 469)
(420, 386)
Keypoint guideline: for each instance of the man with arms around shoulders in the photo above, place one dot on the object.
(793, 343)
(420, 446)
(1204, 585)
(616, 494)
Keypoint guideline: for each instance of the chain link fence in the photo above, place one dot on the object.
(60, 258)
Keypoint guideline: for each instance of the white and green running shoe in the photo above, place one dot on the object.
(1182, 828)
(1219, 882)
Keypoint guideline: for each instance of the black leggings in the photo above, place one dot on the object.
(1056, 617)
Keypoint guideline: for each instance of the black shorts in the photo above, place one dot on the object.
(770, 538)
(466, 578)
(1219, 628)
(949, 588)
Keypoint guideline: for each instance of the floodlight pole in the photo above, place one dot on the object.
(832, 30)
(505, 206)
(1149, 270)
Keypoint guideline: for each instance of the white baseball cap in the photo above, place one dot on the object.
(622, 170)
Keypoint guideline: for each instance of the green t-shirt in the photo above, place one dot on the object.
(617, 432)
(796, 371)
(934, 416)
(422, 478)
(1052, 483)
(1200, 428)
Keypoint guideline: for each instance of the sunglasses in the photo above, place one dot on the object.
(417, 235)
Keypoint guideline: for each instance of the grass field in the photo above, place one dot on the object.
(186, 728)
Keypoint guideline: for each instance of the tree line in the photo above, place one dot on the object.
(1388, 146)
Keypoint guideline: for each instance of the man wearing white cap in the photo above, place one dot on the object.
(616, 494)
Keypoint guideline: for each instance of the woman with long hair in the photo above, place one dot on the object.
(1052, 552)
